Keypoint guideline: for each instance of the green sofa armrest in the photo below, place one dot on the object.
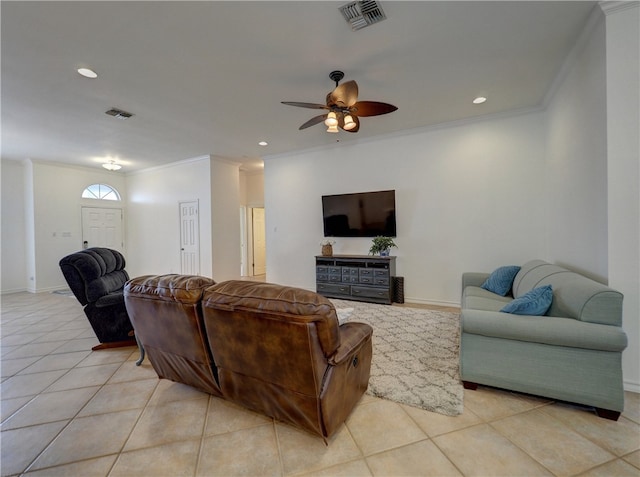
(473, 279)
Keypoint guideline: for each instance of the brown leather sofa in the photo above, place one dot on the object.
(274, 349)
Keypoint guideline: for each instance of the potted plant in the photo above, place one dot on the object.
(381, 246)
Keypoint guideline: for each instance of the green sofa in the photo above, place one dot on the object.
(573, 353)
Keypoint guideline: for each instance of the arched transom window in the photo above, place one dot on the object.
(100, 191)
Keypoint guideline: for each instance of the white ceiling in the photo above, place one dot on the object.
(207, 78)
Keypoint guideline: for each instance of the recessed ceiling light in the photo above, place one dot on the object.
(479, 100)
(87, 73)
(263, 143)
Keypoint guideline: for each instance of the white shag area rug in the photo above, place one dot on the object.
(415, 354)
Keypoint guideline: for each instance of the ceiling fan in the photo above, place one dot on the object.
(343, 107)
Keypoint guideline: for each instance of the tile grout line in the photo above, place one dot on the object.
(564, 425)
(70, 420)
(202, 437)
(124, 443)
(279, 447)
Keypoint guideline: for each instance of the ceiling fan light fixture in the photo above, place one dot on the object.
(349, 123)
(342, 108)
(332, 120)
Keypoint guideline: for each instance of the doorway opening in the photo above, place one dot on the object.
(253, 242)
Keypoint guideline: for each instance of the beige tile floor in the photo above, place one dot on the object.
(69, 411)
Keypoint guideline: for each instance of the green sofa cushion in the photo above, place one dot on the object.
(477, 298)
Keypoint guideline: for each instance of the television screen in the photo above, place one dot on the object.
(365, 214)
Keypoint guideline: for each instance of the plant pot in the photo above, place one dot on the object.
(327, 250)
(384, 253)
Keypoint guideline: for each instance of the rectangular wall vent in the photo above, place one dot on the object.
(360, 14)
(118, 113)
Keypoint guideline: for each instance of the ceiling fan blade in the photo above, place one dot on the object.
(305, 105)
(344, 96)
(313, 121)
(372, 108)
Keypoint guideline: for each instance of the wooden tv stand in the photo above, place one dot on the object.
(356, 277)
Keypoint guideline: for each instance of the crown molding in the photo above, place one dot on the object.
(614, 6)
(411, 132)
(169, 165)
(594, 17)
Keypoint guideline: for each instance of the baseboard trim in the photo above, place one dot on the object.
(16, 290)
(422, 301)
(631, 387)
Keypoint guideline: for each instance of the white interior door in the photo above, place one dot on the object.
(102, 228)
(259, 242)
(189, 238)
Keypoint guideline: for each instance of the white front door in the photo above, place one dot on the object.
(102, 228)
(259, 242)
(189, 238)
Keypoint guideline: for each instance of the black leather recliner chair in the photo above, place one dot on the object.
(96, 277)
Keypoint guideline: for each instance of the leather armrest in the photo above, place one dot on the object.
(352, 337)
(111, 299)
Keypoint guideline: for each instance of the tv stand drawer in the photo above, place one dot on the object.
(377, 293)
(330, 289)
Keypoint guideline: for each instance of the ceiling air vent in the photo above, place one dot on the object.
(362, 13)
(118, 113)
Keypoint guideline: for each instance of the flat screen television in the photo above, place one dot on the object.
(363, 214)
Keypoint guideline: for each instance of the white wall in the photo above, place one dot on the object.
(252, 189)
(153, 232)
(13, 258)
(470, 197)
(560, 185)
(225, 219)
(41, 218)
(593, 172)
(577, 159)
(52, 219)
(623, 152)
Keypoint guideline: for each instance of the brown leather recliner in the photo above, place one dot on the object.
(96, 276)
(166, 312)
(274, 349)
(280, 351)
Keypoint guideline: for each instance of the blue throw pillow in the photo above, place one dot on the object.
(501, 280)
(536, 302)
